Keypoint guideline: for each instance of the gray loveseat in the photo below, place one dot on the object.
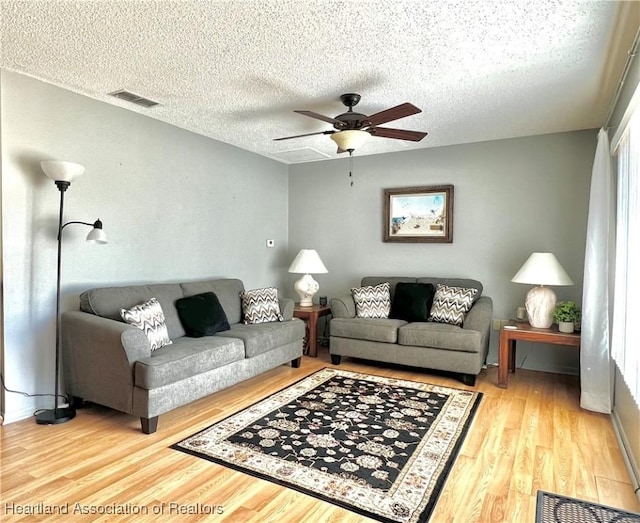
(110, 362)
(459, 349)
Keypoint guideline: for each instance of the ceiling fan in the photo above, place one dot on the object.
(351, 129)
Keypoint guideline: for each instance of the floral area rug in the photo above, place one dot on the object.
(378, 446)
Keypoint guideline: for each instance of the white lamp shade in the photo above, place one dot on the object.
(97, 236)
(307, 262)
(61, 171)
(542, 268)
(350, 140)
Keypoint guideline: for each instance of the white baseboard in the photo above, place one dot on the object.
(18, 415)
(629, 458)
(556, 369)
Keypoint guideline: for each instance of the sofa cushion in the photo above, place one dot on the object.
(372, 301)
(202, 315)
(372, 329)
(412, 301)
(108, 301)
(148, 317)
(227, 290)
(187, 357)
(260, 305)
(451, 304)
(263, 337)
(440, 336)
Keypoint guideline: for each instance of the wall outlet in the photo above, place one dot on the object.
(498, 324)
(271, 243)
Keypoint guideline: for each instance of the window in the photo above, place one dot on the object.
(626, 309)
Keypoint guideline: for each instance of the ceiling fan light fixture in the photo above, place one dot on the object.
(350, 140)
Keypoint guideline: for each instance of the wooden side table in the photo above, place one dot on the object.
(310, 315)
(525, 332)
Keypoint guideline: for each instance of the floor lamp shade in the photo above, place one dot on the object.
(63, 173)
(97, 235)
(541, 269)
(307, 262)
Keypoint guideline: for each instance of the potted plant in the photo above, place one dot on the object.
(566, 314)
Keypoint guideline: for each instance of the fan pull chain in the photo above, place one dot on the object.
(351, 167)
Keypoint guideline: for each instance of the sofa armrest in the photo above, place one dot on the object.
(479, 317)
(105, 335)
(343, 307)
(286, 308)
(99, 355)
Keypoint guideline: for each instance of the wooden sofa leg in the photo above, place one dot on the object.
(468, 379)
(149, 425)
(335, 359)
(296, 363)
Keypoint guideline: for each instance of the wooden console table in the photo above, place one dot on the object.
(310, 315)
(525, 332)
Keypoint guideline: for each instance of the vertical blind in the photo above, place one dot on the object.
(626, 308)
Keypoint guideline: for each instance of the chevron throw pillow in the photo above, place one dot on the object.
(261, 305)
(451, 304)
(148, 316)
(372, 301)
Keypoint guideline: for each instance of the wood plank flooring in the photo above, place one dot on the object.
(530, 436)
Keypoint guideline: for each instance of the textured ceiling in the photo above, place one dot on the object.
(235, 71)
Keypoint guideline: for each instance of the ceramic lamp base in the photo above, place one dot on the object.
(540, 304)
(306, 287)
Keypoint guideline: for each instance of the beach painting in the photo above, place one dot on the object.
(419, 214)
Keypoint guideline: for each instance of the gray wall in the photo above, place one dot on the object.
(175, 206)
(512, 197)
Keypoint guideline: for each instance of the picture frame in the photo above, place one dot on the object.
(419, 214)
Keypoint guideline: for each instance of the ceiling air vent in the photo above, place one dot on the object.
(133, 98)
(306, 154)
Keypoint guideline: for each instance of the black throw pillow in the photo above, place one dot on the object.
(412, 301)
(202, 315)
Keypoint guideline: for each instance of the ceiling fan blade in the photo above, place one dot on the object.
(301, 135)
(322, 117)
(395, 113)
(399, 134)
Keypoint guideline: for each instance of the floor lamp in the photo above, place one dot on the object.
(63, 173)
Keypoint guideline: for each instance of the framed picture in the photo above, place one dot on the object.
(419, 214)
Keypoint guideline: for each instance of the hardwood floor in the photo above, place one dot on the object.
(530, 436)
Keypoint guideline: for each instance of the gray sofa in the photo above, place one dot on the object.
(462, 350)
(109, 362)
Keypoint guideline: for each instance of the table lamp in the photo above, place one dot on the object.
(307, 262)
(540, 269)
